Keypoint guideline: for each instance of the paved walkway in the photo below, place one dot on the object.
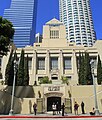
(49, 116)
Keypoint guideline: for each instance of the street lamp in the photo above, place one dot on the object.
(13, 89)
(94, 83)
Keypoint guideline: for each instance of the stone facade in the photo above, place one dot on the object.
(55, 57)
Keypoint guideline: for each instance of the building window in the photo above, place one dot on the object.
(67, 63)
(29, 63)
(54, 34)
(54, 63)
(41, 63)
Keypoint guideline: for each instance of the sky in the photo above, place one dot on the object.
(48, 9)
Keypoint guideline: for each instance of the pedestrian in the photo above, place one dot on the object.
(54, 108)
(35, 108)
(58, 108)
(82, 107)
(76, 108)
(63, 106)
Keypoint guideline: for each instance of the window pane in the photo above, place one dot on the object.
(54, 34)
(41, 63)
(54, 63)
(67, 63)
(30, 63)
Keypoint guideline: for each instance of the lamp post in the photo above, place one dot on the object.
(13, 89)
(94, 84)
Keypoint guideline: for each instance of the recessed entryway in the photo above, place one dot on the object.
(51, 100)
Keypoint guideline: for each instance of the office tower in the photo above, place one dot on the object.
(22, 13)
(77, 17)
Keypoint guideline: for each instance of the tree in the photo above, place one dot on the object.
(84, 82)
(20, 73)
(81, 73)
(26, 72)
(99, 71)
(6, 35)
(84, 73)
(9, 73)
(87, 72)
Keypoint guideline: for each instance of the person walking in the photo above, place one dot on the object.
(58, 108)
(82, 108)
(35, 108)
(76, 108)
(54, 108)
(63, 106)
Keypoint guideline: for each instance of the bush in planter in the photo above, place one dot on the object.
(45, 80)
(64, 80)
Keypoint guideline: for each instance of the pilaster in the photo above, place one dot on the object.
(74, 65)
(61, 63)
(47, 63)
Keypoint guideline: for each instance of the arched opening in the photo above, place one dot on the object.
(51, 100)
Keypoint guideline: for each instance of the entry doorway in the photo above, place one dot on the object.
(51, 100)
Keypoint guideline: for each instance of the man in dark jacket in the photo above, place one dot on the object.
(35, 108)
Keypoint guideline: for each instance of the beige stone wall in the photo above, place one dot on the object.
(48, 52)
(27, 106)
(98, 45)
(47, 41)
(85, 94)
(24, 100)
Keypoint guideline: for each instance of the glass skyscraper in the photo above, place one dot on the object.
(22, 13)
(77, 17)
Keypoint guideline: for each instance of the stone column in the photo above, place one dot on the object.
(74, 67)
(34, 65)
(48, 63)
(61, 64)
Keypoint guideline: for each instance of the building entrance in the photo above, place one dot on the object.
(51, 100)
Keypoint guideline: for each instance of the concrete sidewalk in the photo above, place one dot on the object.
(49, 115)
